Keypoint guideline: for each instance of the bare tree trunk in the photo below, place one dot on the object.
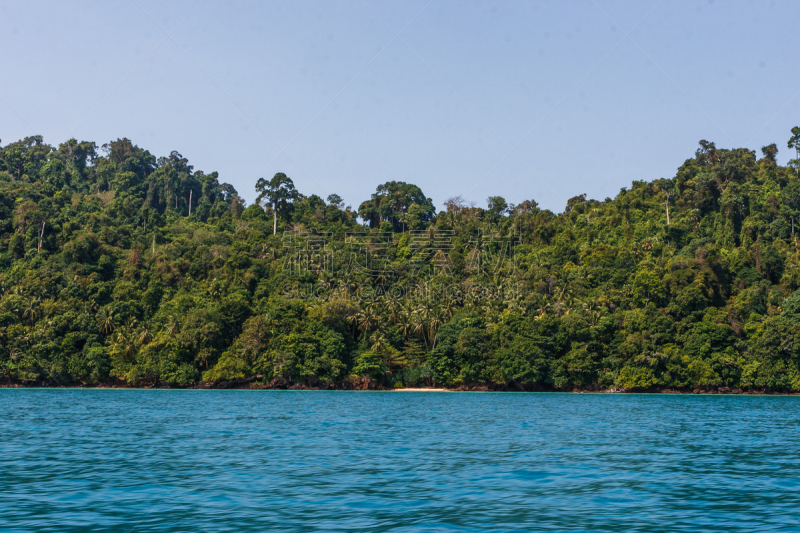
(190, 203)
(41, 235)
(275, 218)
(667, 203)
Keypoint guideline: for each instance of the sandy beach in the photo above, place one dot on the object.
(419, 390)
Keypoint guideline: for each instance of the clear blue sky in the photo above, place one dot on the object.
(527, 100)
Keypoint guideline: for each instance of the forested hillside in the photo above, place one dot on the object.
(121, 268)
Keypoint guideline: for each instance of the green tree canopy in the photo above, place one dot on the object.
(392, 201)
(278, 193)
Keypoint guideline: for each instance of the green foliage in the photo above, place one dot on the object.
(401, 204)
(369, 363)
(120, 267)
(278, 193)
(636, 378)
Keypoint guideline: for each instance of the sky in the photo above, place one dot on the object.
(526, 100)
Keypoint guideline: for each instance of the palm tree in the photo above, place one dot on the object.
(473, 296)
(130, 324)
(171, 327)
(448, 307)
(367, 320)
(32, 311)
(425, 309)
(105, 321)
(383, 276)
(144, 336)
(403, 218)
(514, 303)
(406, 325)
(419, 328)
(561, 292)
(216, 289)
(125, 345)
(354, 319)
(90, 306)
(435, 323)
(393, 309)
(563, 300)
(594, 311)
(379, 342)
(373, 305)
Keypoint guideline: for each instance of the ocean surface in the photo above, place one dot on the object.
(200, 460)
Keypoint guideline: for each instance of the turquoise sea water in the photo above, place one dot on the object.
(147, 460)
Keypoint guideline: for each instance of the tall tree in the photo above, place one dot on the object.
(279, 193)
(770, 151)
(391, 200)
(794, 142)
(497, 208)
(335, 200)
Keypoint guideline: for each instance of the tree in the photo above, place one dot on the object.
(32, 311)
(794, 142)
(769, 152)
(635, 302)
(335, 200)
(791, 201)
(667, 187)
(575, 201)
(237, 206)
(278, 192)
(105, 321)
(391, 200)
(647, 286)
(497, 208)
(24, 157)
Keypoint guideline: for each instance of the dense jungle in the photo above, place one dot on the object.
(120, 268)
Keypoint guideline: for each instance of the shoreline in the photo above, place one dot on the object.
(420, 389)
(367, 385)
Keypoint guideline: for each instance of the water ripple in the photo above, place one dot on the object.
(134, 460)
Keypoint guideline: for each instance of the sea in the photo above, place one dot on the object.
(253, 460)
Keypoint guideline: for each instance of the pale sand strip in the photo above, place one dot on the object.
(419, 390)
